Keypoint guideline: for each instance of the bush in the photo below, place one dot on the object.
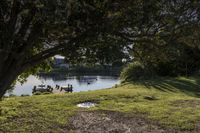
(41, 93)
(12, 95)
(167, 69)
(37, 93)
(134, 71)
(25, 95)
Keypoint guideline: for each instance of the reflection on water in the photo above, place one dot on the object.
(80, 83)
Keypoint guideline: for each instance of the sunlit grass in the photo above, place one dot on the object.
(42, 113)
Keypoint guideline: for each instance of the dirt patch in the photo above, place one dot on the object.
(113, 122)
(186, 103)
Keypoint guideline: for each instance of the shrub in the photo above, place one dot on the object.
(41, 93)
(25, 95)
(12, 95)
(46, 93)
(37, 93)
(134, 71)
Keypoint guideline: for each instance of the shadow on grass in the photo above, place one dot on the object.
(189, 86)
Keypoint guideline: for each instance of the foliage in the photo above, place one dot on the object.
(172, 60)
(33, 31)
(154, 32)
(134, 71)
(41, 93)
(166, 39)
(43, 67)
(98, 69)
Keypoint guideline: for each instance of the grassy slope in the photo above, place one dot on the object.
(42, 113)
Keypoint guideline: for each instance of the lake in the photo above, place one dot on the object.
(80, 83)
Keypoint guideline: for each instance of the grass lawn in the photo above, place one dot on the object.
(171, 103)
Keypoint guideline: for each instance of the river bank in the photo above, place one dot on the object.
(162, 105)
(79, 83)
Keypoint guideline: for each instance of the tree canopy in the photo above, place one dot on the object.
(32, 31)
(165, 38)
(154, 32)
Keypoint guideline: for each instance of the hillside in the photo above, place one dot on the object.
(162, 105)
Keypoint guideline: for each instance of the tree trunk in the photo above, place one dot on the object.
(5, 84)
(8, 74)
(6, 81)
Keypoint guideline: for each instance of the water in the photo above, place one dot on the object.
(80, 83)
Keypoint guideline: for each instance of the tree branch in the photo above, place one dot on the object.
(38, 58)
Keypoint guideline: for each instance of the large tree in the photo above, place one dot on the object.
(31, 31)
(34, 30)
(167, 40)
